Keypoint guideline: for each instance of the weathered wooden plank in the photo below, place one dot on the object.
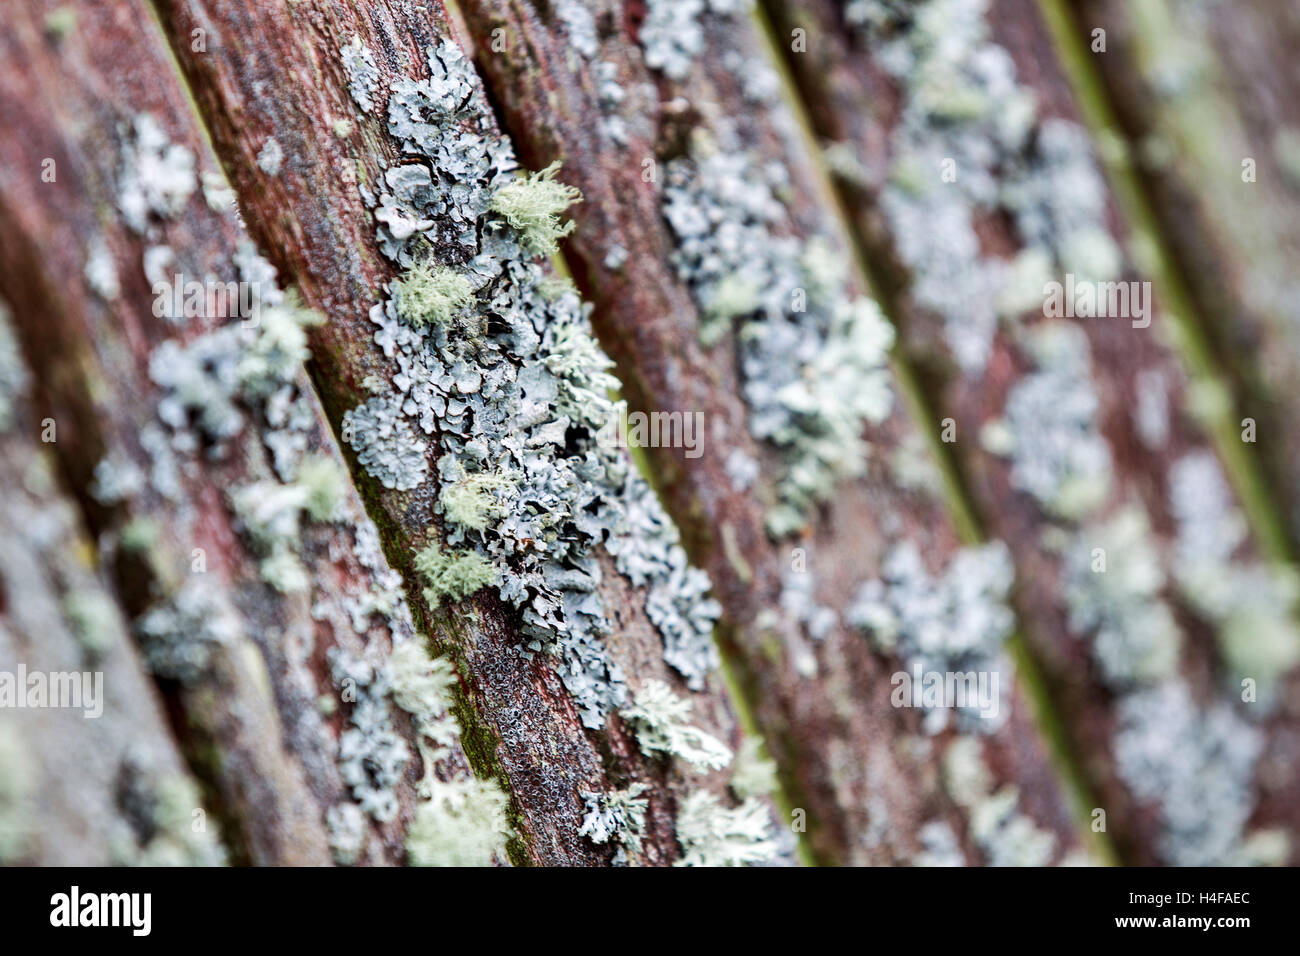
(90, 774)
(1205, 99)
(203, 465)
(957, 146)
(322, 80)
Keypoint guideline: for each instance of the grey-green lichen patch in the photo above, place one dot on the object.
(1113, 584)
(939, 846)
(208, 381)
(956, 621)
(180, 633)
(346, 826)
(814, 357)
(1050, 428)
(475, 500)
(969, 142)
(672, 36)
(462, 825)
(799, 601)
(527, 488)
(618, 816)
(213, 385)
(443, 122)
(660, 717)
(372, 755)
(1196, 764)
(217, 193)
(647, 549)
(711, 834)
(14, 377)
(156, 176)
(533, 205)
(1252, 603)
(580, 26)
(1005, 835)
(385, 444)
(459, 820)
(363, 73)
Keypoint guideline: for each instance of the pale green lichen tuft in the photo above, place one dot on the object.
(532, 205)
(453, 574)
(473, 502)
(463, 825)
(431, 294)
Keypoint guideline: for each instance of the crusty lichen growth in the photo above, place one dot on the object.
(660, 719)
(453, 574)
(533, 205)
(813, 355)
(430, 294)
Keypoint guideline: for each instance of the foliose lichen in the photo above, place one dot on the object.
(1006, 836)
(617, 815)
(156, 177)
(814, 357)
(672, 36)
(1050, 428)
(969, 143)
(660, 717)
(178, 635)
(711, 834)
(460, 820)
(1196, 764)
(1251, 602)
(957, 621)
(363, 73)
(1113, 583)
